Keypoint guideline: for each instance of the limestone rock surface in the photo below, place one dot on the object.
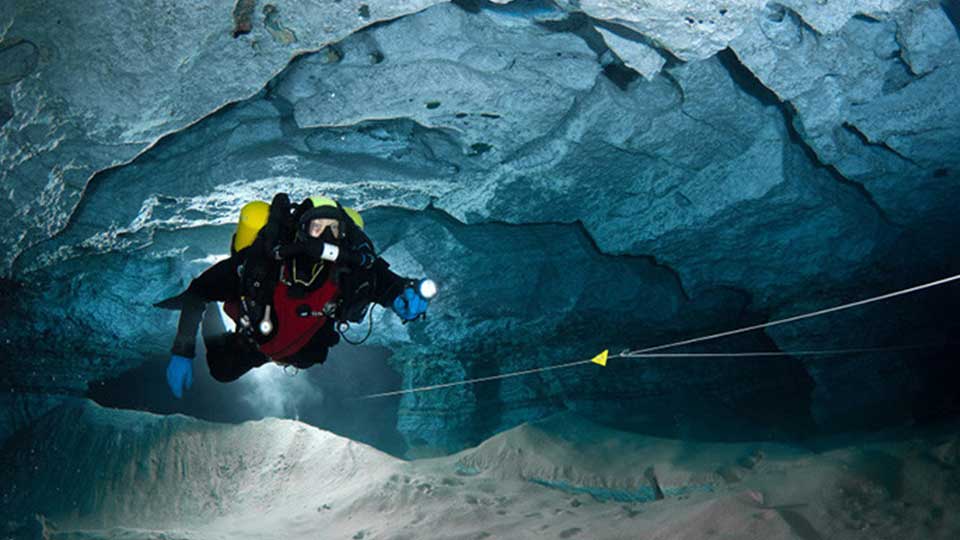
(782, 159)
(77, 100)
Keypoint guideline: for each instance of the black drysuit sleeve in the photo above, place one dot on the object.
(221, 283)
(388, 285)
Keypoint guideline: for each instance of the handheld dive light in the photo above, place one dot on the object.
(427, 288)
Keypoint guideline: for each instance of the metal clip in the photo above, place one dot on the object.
(266, 326)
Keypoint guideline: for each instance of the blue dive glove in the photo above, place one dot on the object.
(410, 305)
(179, 374)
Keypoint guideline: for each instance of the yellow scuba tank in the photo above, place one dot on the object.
(253, 216)
(354, 215)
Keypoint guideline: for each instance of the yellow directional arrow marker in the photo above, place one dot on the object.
(601, 358)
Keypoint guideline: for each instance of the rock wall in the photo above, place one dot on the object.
(77, 101)
(577, 176)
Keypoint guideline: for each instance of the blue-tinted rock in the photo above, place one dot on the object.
(19, 410)
(18, 59)
(838, 83)
(638, 56)
(492, 81)
(927, 39)
(563, 207)
(826, 17)
(919, 122)
(690, 30)
(89, 100)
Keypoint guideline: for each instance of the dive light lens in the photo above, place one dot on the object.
(428, 288)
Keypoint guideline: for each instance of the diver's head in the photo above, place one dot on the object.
(320, 226)
(324, 228)
(322, 217)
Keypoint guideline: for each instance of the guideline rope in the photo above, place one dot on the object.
(646, 353)
(795, 317)
(818, 352)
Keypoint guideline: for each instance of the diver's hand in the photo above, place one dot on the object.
(179, 374)
(356, 258)
(359, 253)
(410, 305)
(280, 206)
(317, 250)
(274, 229)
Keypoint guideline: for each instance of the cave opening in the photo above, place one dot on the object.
(325, 396)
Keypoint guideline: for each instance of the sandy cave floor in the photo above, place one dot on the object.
(87, 472)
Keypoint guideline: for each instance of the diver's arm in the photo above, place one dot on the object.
(362, 255)
(220, 282)
(360, 250)
(387, 284)
(191, 312)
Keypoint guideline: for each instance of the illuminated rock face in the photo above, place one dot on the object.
(782, 160)
(79, 100)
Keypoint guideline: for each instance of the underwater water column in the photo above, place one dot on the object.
(694, 262)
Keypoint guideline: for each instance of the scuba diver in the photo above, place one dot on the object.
(296, 274)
